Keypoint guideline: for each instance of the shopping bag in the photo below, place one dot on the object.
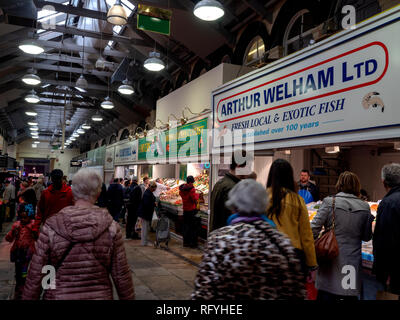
(154, 220)
(138, 225)
(385, 295)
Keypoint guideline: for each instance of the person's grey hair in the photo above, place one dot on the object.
(248, 196)
(391, 174)
(86, 184)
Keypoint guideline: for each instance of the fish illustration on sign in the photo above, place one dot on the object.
(373, 100)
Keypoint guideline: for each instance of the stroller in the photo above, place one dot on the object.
(162, 228)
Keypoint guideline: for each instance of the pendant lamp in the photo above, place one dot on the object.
(117, 15)
(126, 88)
(208, 10)
(31, 78)
(32, 97)
(154, 63)
(30, 47)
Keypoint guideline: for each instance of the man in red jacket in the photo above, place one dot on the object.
(56, 197)
(190, 221)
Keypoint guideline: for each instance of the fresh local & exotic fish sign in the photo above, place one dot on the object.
(346, 84)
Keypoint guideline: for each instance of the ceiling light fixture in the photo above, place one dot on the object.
(34, 145)
(208, 10)
(34, 128)
(80, 131)
(333, 149)
(32, 123)
(117, 14)
(86, 126)
(72, 139)
(36, 142)
(31, 78)
(107, 103)
(97, 117)
(76, 135)
(32, 97)
(30, 47)
(126, 88)
(31, 113)
(154, 63)
(82, 82)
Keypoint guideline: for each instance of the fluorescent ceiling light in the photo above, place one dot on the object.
(31, 47)
(208, 10)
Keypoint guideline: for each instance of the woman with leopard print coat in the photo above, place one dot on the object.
(249, 259)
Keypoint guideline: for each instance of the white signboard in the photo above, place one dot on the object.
(126, 153)
(109, 159)
(347, 84)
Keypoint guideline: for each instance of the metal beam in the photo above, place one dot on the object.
(44, 66)
(259, 8)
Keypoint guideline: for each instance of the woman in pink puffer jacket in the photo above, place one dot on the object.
(85, 246)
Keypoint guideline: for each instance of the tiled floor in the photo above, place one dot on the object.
(157, 274)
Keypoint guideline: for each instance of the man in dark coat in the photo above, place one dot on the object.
(146, 209)
(115, 198)
(135, 196)
(386, 239)
(219, 213)
(306, 184)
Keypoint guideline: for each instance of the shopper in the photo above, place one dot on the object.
(353, 224)
(307, 185)
(290, 214)
(134, 199)
(22, 236)
(219, 213)
(190, 221)
(146, 209)
(27, 195)
(56, 197)
(102, 199)
(386, 240)
(144, 185)
(161, 187)
(85, 246)
(249, 259)
(9, 199)
(39, 187)
(115, 197)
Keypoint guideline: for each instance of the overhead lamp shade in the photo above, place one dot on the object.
(117, 14)
(154, 63)
(107, 104)
(86, 126)
(76, 135)
(32, 97)
(97, 117)
(126, 88)
(334, 149)
(72, 139)
(30, 47)
(100, 63)
(34, 145)
(81, 82)
(32, 123)
(80, 131)
(34, 128)
(31, 78)
(31, 113)
(208, 10)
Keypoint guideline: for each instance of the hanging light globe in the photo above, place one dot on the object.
(107, 103)
(117, 14)
(31, 78)
(208, 10)
(100, 62)
(126, 88)
(86, 126)
(81, 82)
(80, 131)
(154, 63)
(30, 47)
(97, 117)
(32, 97)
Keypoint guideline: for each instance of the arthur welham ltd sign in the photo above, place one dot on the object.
(347, 83)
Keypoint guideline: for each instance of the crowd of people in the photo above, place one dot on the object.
(261, 243)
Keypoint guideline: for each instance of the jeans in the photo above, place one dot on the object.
(190, 228)
(145, 231)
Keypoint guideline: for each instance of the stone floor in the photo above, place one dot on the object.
(158, 274)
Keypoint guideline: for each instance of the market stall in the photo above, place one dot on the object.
(328, 108)
(173, 155)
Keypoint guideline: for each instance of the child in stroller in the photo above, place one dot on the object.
(162, 228)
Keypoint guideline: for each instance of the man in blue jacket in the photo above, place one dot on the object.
(115, 198)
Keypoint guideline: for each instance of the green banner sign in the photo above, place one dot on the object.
(154, 19)
(184, 141)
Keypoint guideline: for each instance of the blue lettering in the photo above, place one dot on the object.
(287, 94)
(270, 96)
(323, 78)
(256, 99)
(229, 108)
(234, 104)
(369, 71)
(344, 69)
(223, 110)
(297, 86)
(310, 83)
(279, 92)
(358, 67)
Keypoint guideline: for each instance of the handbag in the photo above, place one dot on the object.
(326, 246)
